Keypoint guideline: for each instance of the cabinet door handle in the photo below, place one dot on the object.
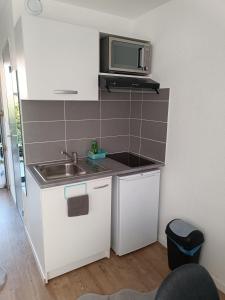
(101, 187)
(65, 92)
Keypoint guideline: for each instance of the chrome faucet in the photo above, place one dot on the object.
(73, 156)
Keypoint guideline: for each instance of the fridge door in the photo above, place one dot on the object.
(138, 211)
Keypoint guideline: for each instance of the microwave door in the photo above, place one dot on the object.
(125, 56)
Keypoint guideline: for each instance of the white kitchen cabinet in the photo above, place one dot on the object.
(55, 60)
(61, 243)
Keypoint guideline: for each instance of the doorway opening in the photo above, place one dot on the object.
(3, 182)
(15, 132)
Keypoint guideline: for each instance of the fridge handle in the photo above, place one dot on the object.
(138, 176)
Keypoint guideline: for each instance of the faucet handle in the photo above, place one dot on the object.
(75, 156)
(63, 152)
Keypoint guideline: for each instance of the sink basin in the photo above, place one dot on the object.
(65, 170)
(59, 171)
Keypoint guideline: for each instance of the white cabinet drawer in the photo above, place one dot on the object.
(99, 185)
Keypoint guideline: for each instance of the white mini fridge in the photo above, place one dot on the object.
(135, 203)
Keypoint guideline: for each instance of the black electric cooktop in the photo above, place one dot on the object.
(131, 160)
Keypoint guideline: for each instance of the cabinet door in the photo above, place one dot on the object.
(71, 240)
(99, 192)
(56, 61)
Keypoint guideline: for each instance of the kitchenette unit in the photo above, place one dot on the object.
(66, 235)
(94, 132)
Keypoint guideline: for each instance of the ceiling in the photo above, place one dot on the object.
(124, 8)
(130, 9)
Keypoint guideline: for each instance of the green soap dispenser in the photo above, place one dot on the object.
(94, 147)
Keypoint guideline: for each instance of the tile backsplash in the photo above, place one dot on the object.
(148, 124)
(120, 121)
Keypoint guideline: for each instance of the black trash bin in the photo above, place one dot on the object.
(184, 242)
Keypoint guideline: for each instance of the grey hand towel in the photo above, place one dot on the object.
(78, 206)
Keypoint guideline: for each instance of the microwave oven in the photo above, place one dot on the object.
(124, 55)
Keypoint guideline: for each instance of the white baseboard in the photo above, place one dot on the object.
(162, 240)
(219, 284)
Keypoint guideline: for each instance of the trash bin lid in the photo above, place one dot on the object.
(181, 228)
(185, 234)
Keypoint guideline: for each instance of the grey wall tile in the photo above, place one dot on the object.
(136, 109)
(163, 95)
(44, 152)
(105, 95)
(136, 95)
(80, 133)
(78, 110)
(134, 144)
(135, 125)
(82, 129)
(115, 144)
(154, 150)
(44, 131)
(154, 130)
(80, 146)
(115, 109)
(157, 111)
(114, 127)
(42, 110)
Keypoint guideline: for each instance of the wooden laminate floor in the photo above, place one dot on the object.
(143, 270)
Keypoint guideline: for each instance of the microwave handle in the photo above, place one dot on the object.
(147, 58)
(140, 58)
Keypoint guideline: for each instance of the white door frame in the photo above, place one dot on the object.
(6, 132)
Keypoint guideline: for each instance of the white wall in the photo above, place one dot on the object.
(189, 57)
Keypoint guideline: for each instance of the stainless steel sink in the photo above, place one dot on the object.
(65, 170)
(59, 171)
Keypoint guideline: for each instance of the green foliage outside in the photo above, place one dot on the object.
(18, 124)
